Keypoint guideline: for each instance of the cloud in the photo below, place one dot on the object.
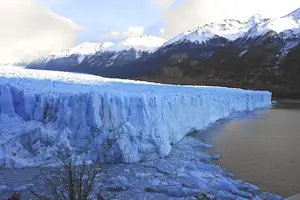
(30, 30)
(190, 14)
(112, 34)
(131, 31)
(164, 4)
(134, 31)
(115, 33)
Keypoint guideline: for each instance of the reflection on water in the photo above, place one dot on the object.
(262, 147)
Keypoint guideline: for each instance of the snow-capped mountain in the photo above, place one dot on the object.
(86, 48)
(288, 26)
(69, 58)
(118, 55)
(230, 29)
(80, 51)
(99, 55)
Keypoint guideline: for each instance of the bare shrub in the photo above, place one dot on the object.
(74, 182)
(15, 196)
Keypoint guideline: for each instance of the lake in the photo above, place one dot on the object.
(261, 147)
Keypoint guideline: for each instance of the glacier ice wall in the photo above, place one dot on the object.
(45, 116)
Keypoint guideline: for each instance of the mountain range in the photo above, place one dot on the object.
(94, 57)
(258, 53)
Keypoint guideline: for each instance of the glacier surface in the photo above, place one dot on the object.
(47, 115)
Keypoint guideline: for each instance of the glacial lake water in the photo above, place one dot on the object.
(261, 147)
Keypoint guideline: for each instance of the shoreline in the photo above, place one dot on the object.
(238, 141)
(178, 176)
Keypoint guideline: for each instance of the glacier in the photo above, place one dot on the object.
(47, 116)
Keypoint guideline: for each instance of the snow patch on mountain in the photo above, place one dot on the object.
(295, 14)
(243, 53)
(45, 115)
(256, 19)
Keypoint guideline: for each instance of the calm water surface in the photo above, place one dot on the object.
(261, 147)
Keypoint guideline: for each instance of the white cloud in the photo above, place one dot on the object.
(112, 34)
(131, 31)
(134, 31)
(193, 13)
(30, 30)
(164, 4)
(115, 33)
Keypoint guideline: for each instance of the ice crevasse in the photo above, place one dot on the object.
(46, 116)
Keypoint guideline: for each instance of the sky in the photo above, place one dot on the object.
(31, 28)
